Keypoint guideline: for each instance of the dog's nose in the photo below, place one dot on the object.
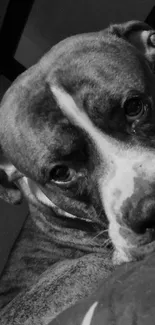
(144, 217)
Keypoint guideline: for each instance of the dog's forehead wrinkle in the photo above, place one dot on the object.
(101, 77)
(72, 47)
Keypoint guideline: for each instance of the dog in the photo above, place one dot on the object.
(77, 138)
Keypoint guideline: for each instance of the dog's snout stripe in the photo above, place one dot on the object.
(79, 117)
(89, 315)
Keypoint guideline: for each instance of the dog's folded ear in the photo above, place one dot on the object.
(139, 34)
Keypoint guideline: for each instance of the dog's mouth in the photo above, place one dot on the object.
(65, 219)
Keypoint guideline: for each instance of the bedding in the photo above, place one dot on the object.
(127, 297)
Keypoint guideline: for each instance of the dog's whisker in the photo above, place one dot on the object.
(106, 243)
(100, 214)
(125, 228)
(100, 233)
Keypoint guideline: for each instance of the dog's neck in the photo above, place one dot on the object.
(35, 250)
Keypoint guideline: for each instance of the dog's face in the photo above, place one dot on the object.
(80, 125)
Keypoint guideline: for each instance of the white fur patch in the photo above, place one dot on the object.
(120, 165)
(89, 315)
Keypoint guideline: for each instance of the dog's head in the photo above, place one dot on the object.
(80, 127)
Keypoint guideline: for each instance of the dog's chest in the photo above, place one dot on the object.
(32, 255)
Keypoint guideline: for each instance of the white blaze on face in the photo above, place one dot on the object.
(121, 165)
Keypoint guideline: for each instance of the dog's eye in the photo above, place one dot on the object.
(152, 40)
(135, 108)
(62, 174)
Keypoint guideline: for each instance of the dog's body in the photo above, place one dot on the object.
(78, 128)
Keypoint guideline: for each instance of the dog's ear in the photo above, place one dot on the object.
(139, 34)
